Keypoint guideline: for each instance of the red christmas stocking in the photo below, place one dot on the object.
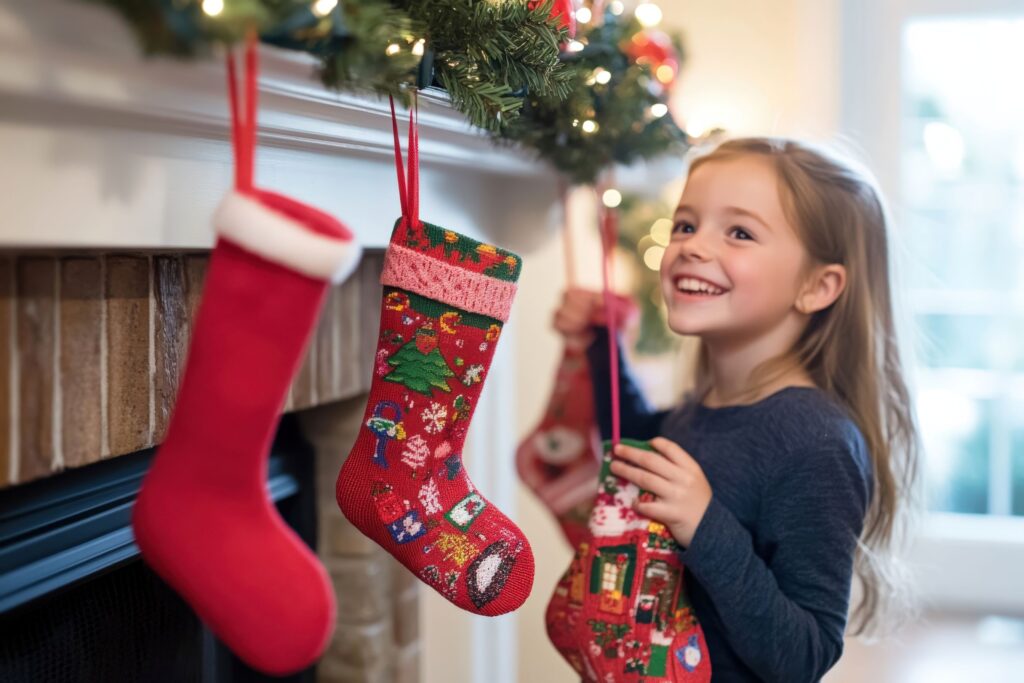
(620, 612)
(203, 519)
(446, 298)
(559, 459)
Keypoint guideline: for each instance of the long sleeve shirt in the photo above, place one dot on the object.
(770, 565)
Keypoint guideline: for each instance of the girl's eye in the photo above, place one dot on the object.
(681, 227)
(746, 235)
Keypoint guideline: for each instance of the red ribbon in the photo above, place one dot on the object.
(408, 183)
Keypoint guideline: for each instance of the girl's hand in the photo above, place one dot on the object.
(576, 315)
(582, 309)
(682, 490)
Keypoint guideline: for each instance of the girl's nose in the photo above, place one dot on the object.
(696, 248)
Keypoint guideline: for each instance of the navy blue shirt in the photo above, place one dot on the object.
(770, 565)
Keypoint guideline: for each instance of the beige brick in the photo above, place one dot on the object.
(366, 647)
(171, 330)
(81, 339)
(303, 389)
(406, 613)
(328, 670)
(128, 381)
(407, 665)
(195, 276)
(363, 587)
(36, 288)
(353, 351)
(328, 342)
(369, 318)
(340, 537)
(7, 312)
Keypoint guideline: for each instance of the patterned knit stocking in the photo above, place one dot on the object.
(446, 298)
(620, 612)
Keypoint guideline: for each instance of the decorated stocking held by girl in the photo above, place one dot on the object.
(560, 458)
(620, 612)
(446, 298)
(204, 520)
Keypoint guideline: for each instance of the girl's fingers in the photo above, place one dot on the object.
(673, 452)
(647, 460)
(657, 510)
(643, 478)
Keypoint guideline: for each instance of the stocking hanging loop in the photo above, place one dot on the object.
(408, 181)
(243, 123)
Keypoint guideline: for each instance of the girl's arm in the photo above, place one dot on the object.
(639, 419)
(785, 615)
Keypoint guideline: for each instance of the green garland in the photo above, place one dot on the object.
(624, 129)
(500, 62)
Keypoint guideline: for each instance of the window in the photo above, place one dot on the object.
(962, 188)
(930, 93)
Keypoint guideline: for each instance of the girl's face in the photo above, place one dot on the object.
(731, 271)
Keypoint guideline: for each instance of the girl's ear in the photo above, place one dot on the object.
(822, 288)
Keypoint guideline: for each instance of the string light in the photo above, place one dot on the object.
(616, 8)
(322, 8)
(659, 109)
(611, 198)
(648, 14)
(661, 231)
(584, 15)
(576, 46)
(417, 48)
(392, 49)
(653, 256)
(602, 76)
(665, 74)
(589, 126)
(213, 8)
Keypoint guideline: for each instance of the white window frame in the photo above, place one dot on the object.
(972, 563)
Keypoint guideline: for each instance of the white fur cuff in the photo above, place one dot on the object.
(275, 237)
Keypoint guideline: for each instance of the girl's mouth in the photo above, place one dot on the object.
(692, 289)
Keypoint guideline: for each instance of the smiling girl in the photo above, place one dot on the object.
(789, 466)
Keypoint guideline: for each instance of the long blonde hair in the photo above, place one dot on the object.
(850, 349)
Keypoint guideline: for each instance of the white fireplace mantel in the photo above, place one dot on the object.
(101, 147)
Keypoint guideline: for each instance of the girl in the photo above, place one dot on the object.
(788, 467)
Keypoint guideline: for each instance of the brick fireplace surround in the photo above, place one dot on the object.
(92, 346)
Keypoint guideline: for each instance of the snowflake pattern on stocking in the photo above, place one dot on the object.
(434, 418)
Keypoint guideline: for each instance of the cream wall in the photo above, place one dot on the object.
(754, 68)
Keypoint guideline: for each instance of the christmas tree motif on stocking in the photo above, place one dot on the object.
(620, 612)
(446, 298)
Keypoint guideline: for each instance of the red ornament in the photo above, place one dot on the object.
(654, 48)
(564, 10)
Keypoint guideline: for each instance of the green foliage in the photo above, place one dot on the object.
(626, 129)
(488, 53)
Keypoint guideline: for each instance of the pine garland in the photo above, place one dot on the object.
(500, 62)
(623, 130)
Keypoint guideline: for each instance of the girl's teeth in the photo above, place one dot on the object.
(694, 286)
